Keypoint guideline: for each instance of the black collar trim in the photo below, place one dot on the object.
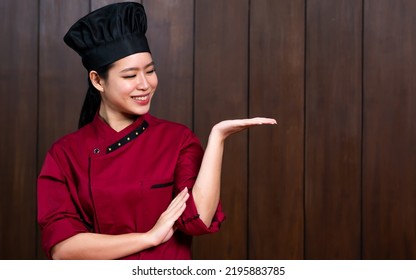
(128, 138)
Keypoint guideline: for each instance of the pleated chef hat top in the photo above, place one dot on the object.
(109, 34)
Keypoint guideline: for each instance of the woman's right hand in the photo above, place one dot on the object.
(164, 228)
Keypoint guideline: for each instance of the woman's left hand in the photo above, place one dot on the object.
(228, 127)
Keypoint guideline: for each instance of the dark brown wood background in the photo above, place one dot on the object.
(336, 179)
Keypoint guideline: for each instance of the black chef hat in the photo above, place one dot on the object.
(109, 34)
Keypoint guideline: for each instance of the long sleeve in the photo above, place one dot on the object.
(186, 171)
(57, 215)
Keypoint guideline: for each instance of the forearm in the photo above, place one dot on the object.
(101, 246)
(206, 191)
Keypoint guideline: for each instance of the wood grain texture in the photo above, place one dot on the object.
(333, 129)
(63, 79)
(95, 4)
(221, 48)
(276, 153)
(389, 177)
(171, 36)
(18, 111)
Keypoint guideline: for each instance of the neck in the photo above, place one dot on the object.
(117, 122)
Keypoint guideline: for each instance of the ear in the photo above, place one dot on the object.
(96, 81)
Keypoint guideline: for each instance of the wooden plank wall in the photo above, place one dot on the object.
(221, 48)
(276, 155)
(334, 180)
(333, 129)
(18, 113)
(389, 130)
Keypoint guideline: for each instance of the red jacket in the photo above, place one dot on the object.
(100, 180)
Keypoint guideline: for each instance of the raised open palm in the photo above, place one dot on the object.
(229, 127)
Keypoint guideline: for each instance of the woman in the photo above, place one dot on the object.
(127, 185)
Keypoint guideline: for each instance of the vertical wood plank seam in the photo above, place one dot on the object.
(304, 123)
(248, 133)
(193, 75)
(362, 131)
(37, 156)
(193, 64)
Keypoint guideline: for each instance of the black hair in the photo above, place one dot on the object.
(92, 99)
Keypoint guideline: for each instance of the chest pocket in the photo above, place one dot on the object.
(162, 185)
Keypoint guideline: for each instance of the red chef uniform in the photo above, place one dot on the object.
(103, 181)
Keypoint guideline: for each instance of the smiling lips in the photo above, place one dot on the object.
(142, 100)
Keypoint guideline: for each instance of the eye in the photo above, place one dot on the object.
(151, 71)
(129, 77)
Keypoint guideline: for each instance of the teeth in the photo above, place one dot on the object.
(141, 98)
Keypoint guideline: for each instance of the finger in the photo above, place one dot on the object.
(261, 120)
(178, 213)
(267, 121)
(176, 205)
(173, 214)
(180, 198)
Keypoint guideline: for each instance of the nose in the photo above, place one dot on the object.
(142, 83)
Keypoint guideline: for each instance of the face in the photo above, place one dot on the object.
(129, 88)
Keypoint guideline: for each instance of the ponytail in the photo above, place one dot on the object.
(91, 105)
(92, 99)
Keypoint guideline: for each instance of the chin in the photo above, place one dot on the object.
(142, 111)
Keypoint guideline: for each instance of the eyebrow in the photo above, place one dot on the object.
(137, 68)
